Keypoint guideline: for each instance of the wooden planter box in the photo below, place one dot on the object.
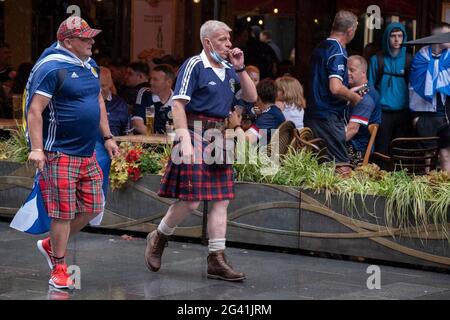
(262, 214)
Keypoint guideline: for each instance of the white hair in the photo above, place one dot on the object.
(210, 27)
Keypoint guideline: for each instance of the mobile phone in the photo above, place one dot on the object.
(364, 89)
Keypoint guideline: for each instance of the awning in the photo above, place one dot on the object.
(436, 39)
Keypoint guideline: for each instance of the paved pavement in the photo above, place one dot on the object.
(112, 268)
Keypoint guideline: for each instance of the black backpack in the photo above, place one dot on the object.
(381, 72)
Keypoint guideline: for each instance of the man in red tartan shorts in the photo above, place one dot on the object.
(65, 114)
(204, 94)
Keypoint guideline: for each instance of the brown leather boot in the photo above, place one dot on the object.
(219, 268)
(156, 242)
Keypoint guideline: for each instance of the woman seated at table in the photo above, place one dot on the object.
(116, 107)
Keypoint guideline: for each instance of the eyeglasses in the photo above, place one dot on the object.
(85, 40)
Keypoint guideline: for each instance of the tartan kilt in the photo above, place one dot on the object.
(197, 182)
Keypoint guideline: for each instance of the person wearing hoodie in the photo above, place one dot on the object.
(388, 73)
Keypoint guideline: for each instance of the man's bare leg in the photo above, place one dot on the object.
(217, 220)
(59, 235)
(179, 211)
(156, 240)
(81, 220)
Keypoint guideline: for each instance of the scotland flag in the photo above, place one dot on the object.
(33, 218)
(429, 75)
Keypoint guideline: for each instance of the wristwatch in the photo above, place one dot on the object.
(242, 69)
(108, 137)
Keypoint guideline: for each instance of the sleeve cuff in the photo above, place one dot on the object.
(45, 94)
(336, 76)
(181, 97)
(364, 122)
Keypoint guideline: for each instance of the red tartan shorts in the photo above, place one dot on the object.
(70, 185)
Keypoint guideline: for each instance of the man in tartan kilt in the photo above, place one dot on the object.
(204, 96)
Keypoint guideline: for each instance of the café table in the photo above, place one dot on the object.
(10, 124)
(149, 139)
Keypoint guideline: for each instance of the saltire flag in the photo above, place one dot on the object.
(429, 75)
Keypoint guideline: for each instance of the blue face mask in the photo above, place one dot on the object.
(218, 58)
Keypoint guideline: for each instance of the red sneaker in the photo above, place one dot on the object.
(58, 294)
(45, 248)
(60, 279)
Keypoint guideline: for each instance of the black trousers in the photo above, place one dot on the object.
(394, 124)
(429, 125)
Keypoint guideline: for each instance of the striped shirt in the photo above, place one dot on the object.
(208, 90)
(329, 60)
(72, 118)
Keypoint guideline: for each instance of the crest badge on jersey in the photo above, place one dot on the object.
(94, 72)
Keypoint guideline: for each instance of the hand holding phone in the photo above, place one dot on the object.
(361, 90)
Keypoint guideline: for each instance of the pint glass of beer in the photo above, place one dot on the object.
(150, 119)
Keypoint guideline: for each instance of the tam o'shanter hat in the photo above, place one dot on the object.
(75, 27)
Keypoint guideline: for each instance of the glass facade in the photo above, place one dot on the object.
(294, 24)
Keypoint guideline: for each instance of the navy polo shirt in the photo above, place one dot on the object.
(130, 94)
(329, 60)
(368, 111)
(71, 120)
(117, 110)
(163, 112)
(205, 92)
(270, 119)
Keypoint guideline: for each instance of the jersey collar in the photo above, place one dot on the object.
(206, 62)
(83, 63)
(156, 98)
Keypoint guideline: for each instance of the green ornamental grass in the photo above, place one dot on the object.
(411, 202)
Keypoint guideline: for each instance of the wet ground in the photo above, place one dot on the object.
(112, 268)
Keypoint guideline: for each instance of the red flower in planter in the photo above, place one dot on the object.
(133, 156)
(134, 173)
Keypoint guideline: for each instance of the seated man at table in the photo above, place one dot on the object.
(160, 96)
(367, 111)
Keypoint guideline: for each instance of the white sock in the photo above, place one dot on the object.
(216, 245)
(165, 229)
